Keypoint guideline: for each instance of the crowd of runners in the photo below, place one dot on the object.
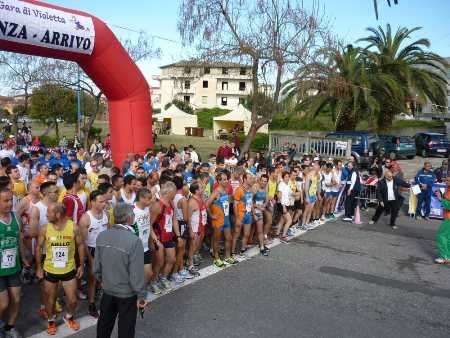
(55, 203)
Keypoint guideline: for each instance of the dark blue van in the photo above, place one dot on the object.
(365, 145)
(432, 144)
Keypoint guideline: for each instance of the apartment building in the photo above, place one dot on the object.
(203, 84)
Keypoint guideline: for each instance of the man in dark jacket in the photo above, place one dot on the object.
(119, 266)
(388, 195)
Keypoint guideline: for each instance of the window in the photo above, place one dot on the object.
(224, 101)
(187, 98)
(187, 70)
(204, 99)
(187, 84)
(241, 86)
(241, 100)
(225, 71)
(205, 84)
(224, 85)
(207, 70)
(243, 71)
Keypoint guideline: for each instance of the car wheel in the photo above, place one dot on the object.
(410, 157)
(424, 153)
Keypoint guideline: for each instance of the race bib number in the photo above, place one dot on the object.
(226, 208)
(204, 216)
(168, 224)
(9, 258)
(60, 256)
(248, 206)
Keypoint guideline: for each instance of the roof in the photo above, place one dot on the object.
(173, 112)
(240, 113)
(212, 64)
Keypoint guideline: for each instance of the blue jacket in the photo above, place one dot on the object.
(427, 178)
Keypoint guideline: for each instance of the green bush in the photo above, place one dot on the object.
(399, 124)
(260, 142)
(184, 106)
(205, 116)
(49, 141)
(291, 122)
(95, 132)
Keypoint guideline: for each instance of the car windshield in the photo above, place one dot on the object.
(405, 139)
(440, 138)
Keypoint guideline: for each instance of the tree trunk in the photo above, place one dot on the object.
(346, 121)
(385, 120)
(249, 139)
(87, 128)
(57, 129)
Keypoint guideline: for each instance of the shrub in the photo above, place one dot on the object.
(184, 106)
(292, 122)
(205, 116)
(399, 124)
(95, 132)
(49, 141)
(260, 142)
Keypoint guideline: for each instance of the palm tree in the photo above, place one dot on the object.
(345, 89)
(375, 6)
(415, 70)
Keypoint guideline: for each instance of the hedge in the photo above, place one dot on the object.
(260, 142)
(205, 116)
(282, 122)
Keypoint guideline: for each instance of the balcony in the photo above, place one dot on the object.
(221, 91)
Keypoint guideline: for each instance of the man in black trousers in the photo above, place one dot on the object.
(119, 266)
(389, 198)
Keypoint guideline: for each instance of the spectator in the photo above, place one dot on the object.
(224, 150)
(119, 266)
(441, 172)
(425, 179)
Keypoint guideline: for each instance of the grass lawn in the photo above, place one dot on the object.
(203, 145)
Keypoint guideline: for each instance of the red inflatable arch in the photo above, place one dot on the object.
(35, 28)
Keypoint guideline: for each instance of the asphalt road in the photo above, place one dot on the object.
(341, 280)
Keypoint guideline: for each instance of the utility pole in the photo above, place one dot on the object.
(78, 102)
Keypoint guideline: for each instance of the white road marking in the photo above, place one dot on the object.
(87, 321)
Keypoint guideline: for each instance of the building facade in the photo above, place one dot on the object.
(203, 84)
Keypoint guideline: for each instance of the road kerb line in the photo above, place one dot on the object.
(87, 321)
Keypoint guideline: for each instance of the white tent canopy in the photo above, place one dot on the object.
(177, 119)
(241, 116)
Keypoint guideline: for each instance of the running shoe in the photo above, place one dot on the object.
(264, 252)
(155, 289)
(266, 248)
(440, 260)
(185, 274)
(51, 328)
(219, 263)
(12, 333)
(176, 278)
(166, 283)
(284, 239)
(71, 323)
(243, 251)
(291, 232)
(193, 272)
(230, 260)
(92, 310)
(347, 219)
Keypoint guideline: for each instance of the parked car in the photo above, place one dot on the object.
(365, 145)
(397, 146)
(429, 144)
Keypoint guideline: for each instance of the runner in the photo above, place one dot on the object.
(38, 220)
(220, 220)
(243, 211)
(19, 188)
(260, 203)
(61, 238)
(284, 194)
(166, 225)
(143, 229)
(127, 194)
(180, 205)
(91, 224)
(12, 249)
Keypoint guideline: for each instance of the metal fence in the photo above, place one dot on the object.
(325, 147)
